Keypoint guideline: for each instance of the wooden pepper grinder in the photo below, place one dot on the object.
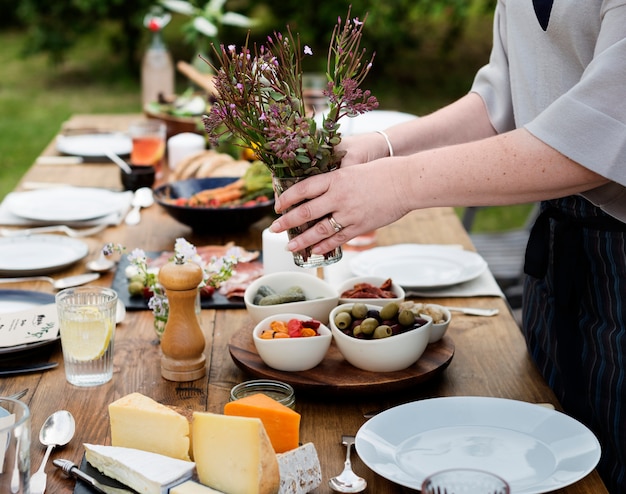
(182, 344)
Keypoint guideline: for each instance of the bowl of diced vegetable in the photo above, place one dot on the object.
(292, 292)
(291, 342)
(219, 204)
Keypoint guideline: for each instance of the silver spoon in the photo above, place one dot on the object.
(101, 264)
(57, 430)
(15, 477)
(59, 283)
(143, 198)
(347, 480)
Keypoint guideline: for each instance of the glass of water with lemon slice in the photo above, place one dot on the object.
(87, 322)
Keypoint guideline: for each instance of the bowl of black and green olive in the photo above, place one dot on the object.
(379, 339)
(301, 293)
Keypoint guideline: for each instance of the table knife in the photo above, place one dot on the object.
(73, 471)
(23, 369)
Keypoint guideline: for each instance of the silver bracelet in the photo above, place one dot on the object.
(384, 134)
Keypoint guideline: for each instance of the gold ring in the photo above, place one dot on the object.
(336, 226)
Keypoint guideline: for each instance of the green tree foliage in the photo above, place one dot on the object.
(54, 27)
(399, 31)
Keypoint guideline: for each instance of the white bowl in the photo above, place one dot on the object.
(321, 297)
(389, 354)
(377, 281)
(440, 315)
(291, 354)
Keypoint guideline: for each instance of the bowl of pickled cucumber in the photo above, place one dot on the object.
(379, 339)
(299, 293)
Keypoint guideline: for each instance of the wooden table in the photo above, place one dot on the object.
(490, 357)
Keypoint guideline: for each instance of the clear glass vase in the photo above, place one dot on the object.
(305, 258)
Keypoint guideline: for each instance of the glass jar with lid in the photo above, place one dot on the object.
(278, 390)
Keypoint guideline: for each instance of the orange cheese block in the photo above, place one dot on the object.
(281, 423)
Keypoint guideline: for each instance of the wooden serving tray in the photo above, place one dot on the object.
(335, 375)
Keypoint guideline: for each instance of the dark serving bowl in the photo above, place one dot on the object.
(205, 220)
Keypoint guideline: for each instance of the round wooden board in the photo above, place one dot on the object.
(335, 374)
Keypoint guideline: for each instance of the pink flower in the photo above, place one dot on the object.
(260, 100)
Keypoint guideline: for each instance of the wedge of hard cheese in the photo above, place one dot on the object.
(282, 424)
(234, 454)
(145, 472)
(300, 470)
(140, 422)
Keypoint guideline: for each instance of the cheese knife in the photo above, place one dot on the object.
(73, 471)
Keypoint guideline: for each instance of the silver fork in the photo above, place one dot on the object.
(71, 232)
(18, 395)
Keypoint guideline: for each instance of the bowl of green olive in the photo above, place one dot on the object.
(379, 339)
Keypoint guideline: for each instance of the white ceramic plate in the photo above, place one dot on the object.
(370, 121)
(94, 145)
(533, 448)
(65, 204)
(39, 254)
(419, 266)
(18, 300)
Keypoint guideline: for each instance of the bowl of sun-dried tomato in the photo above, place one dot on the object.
(373, 290)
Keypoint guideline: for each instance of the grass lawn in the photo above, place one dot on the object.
(36, 98)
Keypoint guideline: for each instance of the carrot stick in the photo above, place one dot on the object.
(228, 196)
(207, 194)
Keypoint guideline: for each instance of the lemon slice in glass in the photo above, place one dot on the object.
(86, 335)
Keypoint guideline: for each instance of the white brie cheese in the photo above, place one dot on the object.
(147, 473)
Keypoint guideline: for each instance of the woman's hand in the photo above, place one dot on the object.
(362, 148)
(358, 198)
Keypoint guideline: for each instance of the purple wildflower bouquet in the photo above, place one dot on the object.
(260, 101)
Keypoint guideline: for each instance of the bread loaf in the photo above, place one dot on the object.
(210, 163)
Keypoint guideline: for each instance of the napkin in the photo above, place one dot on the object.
(32, 325)
(484, 285)
(10, 219)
